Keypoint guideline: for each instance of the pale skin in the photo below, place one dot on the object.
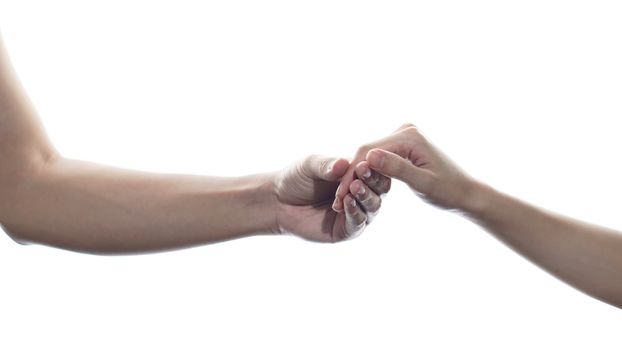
(48, 199)
(587, 257)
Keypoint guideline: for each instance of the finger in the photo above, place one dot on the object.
(405, 126)
(374, 180)
(342, 190)
(325, 168)
(397, 142)
(355, 217)
(366, 198)
(390, 164)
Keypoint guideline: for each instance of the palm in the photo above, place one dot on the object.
(305, 202)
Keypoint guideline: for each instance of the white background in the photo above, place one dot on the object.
(525, 95)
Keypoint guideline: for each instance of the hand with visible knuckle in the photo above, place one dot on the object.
(433, 176)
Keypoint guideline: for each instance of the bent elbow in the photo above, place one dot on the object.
(16, 190)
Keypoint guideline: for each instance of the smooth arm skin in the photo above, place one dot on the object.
(71, 204)
(585, 256)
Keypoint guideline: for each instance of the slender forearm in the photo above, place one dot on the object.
(88, 207)
(587, 257)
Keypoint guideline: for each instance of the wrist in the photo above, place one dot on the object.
(268, 203)
(478, 197)
(255, 193)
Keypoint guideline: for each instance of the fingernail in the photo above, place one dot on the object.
(361, 190)
(375, 158)
(353, 203)
(334, 206)
(367, 174)
(330, 168)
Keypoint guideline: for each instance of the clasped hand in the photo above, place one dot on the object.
(331, 199)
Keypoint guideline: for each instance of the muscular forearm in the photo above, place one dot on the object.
(587, 257)
(88, 207)
(81, 206)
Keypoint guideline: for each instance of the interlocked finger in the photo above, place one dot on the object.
(355, 217)
(368, 199)
(377, 182)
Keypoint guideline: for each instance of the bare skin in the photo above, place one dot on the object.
(586, 256)
(48, 199)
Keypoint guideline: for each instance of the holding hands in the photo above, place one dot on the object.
(50, 199)
(305, 191)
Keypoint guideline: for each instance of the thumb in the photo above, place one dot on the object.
(325, 168)
(391, 164)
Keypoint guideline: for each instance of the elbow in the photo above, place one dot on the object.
(17, 179)
(11, 218)
(19, 239)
